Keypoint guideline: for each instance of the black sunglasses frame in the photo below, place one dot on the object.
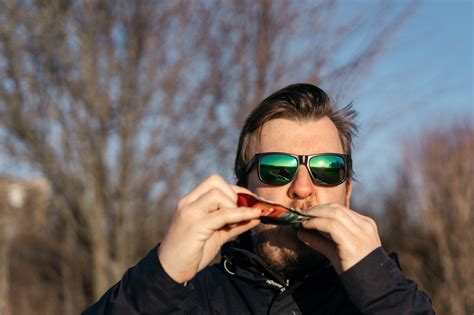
(302, 160)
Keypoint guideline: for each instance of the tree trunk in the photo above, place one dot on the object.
(101, 261)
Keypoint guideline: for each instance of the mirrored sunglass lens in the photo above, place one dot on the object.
(328, 169)
(277, 169)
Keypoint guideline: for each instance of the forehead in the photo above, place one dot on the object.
(297, 137)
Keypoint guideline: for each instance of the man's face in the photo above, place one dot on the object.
(278, 245)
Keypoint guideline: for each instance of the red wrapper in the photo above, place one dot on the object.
(272, 213)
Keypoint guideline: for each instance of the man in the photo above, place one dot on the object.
(294, 149)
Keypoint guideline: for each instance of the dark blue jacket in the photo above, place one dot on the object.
(240, 284)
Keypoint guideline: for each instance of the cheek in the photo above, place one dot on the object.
(273, 193)
(252, 181)
(338, 194)
(325, 195)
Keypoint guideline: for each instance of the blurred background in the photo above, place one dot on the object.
(112, 110)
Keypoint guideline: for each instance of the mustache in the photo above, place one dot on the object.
(301, 205)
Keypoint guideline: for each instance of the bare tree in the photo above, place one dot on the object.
(19, 222)
(432, 216)
(122, 105)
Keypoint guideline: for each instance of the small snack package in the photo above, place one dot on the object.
(272, 213)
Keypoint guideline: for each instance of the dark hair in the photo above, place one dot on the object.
(301, 102)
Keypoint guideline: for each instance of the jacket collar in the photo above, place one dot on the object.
(243, 263)
(238, 259)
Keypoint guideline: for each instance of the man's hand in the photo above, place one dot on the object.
(205, 219)
(344, 236)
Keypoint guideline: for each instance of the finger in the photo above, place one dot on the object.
(212, 200)
(238, 189)
(227, 233)
(214, 181)
(368, 220)
(236, 229)
(353, 214)
(337, 230)
(339, 213)
(218, 219)
(364, 222)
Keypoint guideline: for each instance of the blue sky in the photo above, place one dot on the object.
(424, 80)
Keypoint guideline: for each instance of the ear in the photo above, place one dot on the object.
(347, 200)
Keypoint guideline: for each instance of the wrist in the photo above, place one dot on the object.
(167, 267)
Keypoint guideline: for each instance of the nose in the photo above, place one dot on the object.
(302, 186)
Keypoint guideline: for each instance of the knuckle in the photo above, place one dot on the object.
(226, 215)
(214, 193)
(215, 178)
(181, 204)
(335, 206)
(180, 216)
(334, 225)
(338, 212)
(372, 223)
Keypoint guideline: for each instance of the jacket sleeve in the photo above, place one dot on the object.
(376, 285)
(144, 289)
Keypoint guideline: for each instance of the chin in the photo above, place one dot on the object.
(282, 251)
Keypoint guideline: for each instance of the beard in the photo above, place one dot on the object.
(283, 252)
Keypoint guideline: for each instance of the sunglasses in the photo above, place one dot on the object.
(276, 168)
